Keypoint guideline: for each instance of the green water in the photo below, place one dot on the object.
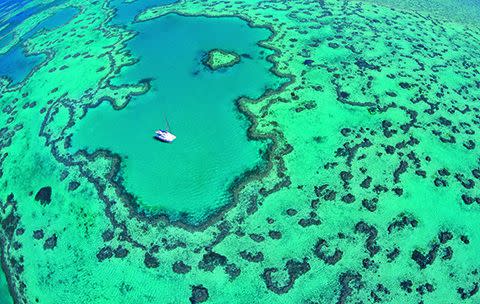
(373, 190)
(461, 11)
(191, 175)
(16, 64)
(5, 297)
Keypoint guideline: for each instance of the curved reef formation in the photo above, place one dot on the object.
(216, 59)
(369, 191)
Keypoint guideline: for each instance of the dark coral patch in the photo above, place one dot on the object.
(51, 242)
(349, 282)
(423, 260)
(320, 250)
(401, 222)
(120, 252)
(199, 294)
(150, 261)
(294, 270)
(104, 253)
(371, 242)
(276, 235)
(44, 195)
(211, 260)
(233, 271)
(252, 257)
(38, 234)
(181, 268)
(466, 294)
(72, 186)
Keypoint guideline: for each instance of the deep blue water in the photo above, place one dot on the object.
(6, 40)
(17, 19)
(7, 6)
(15, 64)
(58, 19)
(126, 12)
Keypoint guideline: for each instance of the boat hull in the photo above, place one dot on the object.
(164, 136)
(163, 139)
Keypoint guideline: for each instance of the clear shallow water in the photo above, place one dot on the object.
(126, 11)
(15, 64)
(326, 138)
(461, 11)
(5, 297)
(191, 175)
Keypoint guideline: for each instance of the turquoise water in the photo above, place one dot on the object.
(191, 176)
(15, 64)
(56, 20)
(126, 11)
(5, 297)
(462, 11)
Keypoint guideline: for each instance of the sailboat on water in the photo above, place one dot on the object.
(165, 135)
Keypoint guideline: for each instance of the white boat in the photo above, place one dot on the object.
(164, 136)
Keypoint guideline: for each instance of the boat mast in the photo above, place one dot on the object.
(166, 120)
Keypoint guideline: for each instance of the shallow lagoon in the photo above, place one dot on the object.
(190, 177)
(15, 64)
(387, 225)
(125, 12)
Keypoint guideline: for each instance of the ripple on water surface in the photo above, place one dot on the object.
(190, 177)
